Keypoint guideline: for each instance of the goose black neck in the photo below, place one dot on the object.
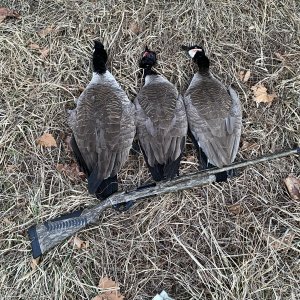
(148, 71)
(202, 62)
(99, 60)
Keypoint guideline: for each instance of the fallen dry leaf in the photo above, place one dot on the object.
(34, 263)
(112, 292)
(5, 12)
(109, 296)
(244, 75)
(11, 168)
(135, 27)
(71, 170)
(42, 33)
(98, 298)
(247, 146)
(44, 52)
(279, 56)
(46, 140)
(33, 46)
(7, 221)
(80, 244)
(283, 243)
(261, 94)
(191, 160)
(293, 185)
(247, 76)
(107, 283)
(235, 208)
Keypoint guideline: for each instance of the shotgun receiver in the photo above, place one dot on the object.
(49, 234)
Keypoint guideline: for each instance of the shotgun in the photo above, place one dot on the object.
(47, 235)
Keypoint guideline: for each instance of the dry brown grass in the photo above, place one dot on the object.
(194, 243)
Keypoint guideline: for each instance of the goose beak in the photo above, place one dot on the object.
(192, 52)
(146, 52)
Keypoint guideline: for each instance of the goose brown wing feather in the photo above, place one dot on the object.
(215, 119)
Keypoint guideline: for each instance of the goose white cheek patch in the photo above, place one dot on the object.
(192, 52)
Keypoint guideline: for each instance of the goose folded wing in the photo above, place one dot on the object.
(217, 137)
(104, 134)
(114, 138)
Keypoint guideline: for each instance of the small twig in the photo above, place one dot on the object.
(187, 251)
(117, 33)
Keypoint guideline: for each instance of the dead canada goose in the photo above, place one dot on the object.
(103, 128)
(161, 121)
(214, 114)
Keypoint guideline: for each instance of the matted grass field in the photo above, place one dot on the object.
(237, 240)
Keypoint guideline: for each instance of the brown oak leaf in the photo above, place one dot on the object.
(235, 208)
(44, 52)
(46, 140)
(110, 290)
(244, 75)
(293, 185)
(33, 46)
(45, 31)
(71, 170)
(261, 94)
(284, 243)
(80, 244)
(134, 27)
(250, 146)
(5, 12)
(34, 263)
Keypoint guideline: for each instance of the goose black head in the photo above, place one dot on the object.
(99, 58)
(148, 59)
(197, 53)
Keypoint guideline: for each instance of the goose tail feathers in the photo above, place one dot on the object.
(107, 187)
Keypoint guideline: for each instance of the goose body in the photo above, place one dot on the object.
(161, 123)
(214, 115)
(103, 126)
